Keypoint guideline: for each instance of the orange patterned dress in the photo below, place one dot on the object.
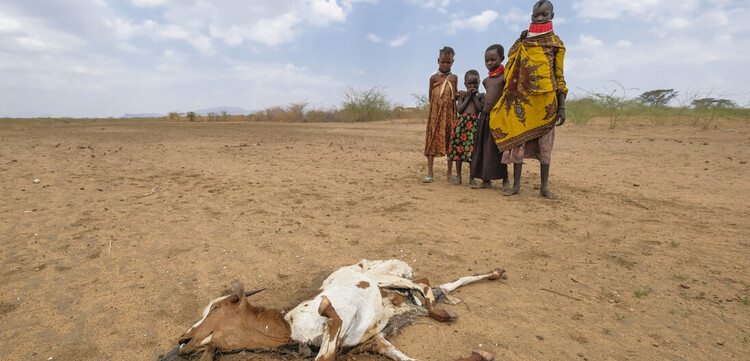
(442, 116)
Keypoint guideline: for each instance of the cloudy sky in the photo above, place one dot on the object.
(100, 58)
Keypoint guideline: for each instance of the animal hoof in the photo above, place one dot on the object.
(482, 355)
(443, 315)
(498, 273)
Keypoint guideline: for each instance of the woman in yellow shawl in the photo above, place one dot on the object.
(533, 101)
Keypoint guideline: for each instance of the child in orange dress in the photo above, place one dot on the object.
(442, 115)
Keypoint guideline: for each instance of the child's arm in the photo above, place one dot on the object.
(463, 102)
(429, 90)
(478, 99)
(562, 89)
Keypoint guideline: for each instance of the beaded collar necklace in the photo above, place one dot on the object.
(540, 28)
(495, 73)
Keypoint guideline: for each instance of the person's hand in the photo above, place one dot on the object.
(560, 116)
(524, 34)
(461, 93)
(473, 91)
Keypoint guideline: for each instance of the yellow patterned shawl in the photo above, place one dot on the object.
(533, 78)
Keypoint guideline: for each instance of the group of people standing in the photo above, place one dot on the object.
(513, 120)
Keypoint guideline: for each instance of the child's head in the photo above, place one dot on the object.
(445, 60)
(543, 12)
(494, 56)
(471, 79)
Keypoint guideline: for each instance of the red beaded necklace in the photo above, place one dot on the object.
(540, 28)
(497, 71)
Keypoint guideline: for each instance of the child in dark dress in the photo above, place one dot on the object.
(469, 106)
(486, 163)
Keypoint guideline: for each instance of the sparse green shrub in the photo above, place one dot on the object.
(319, 116)
(713, 103)
(612, 101)
(422, 105)
(173, 116)
(657, 98)
(580, 111)
(365, 105)
(643, 293)
(191, 116)
(297, 110)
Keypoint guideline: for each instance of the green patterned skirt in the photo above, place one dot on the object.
(461, 146)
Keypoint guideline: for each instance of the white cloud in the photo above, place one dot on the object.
(9, 25)
(478, 22)
(613, 9)
(623, 44)
(267, 23)
(399, 41)
(374, 38)
(128, 47)
(588, 41)
(677, 23)
(517, 19)
(149, 3)
(324, 12)
(125, 30)
(439, 5)
(31, 43)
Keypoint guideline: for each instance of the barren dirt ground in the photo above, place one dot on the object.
(133, 227)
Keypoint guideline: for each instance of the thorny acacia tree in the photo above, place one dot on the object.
(366, 105)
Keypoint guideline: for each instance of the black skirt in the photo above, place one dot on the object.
(486, 163)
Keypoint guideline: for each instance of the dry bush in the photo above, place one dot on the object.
(319, 116)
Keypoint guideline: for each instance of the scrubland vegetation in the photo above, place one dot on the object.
(652, 105)
(372, 104)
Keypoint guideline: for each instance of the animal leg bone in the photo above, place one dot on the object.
(385, 348)
(423, 286)
(331, 339)
(479, 355)
(463, 281)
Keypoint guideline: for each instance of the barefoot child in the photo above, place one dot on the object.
(486, 163)
(469, 106)
(442, 115)
(523, 122)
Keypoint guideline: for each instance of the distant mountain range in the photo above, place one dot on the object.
(215, 110)
(142, 115)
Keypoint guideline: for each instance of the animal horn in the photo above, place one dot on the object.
(239, 290)
(250, 293)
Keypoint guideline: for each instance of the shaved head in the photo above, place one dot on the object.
(541, 3)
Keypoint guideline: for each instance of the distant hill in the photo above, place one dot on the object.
(218, 110)
(204, 112)
(142, 115)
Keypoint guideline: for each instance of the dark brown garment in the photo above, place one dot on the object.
(486, 163)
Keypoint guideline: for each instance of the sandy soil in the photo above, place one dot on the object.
(133, 227)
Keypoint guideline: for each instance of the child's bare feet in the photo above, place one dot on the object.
(547, 193)
(483, 185)
(506, 184)
(512, 191)
(457, 180)
(472, 181)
